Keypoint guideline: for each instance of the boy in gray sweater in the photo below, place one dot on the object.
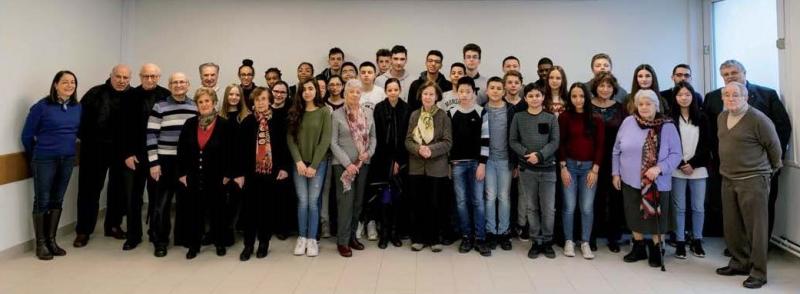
(534, 138)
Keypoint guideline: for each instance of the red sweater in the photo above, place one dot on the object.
(575, 144)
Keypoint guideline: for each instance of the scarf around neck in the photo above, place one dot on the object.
(263, 143)
(650, 203)
(359, 130)
(205, 120)
(423, 133)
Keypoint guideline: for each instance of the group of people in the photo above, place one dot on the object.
(433, 158)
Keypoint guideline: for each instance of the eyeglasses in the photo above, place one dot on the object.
(179, 82)
(149, 76)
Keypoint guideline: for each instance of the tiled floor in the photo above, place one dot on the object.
(102, 267)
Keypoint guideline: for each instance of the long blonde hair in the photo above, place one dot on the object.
(243, 111)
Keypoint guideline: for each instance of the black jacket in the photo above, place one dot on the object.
(415, 103)
(391, 127)
(246, 145)
(762, 98)
(205, 169)
(702, 153)
(101, 115)
(135, 113)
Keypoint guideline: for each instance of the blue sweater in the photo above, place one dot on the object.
(51, 128)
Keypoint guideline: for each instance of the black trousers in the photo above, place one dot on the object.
(430, 219)
(286, 207)
(259, 208)
(773, 197)
(203, 199)
(133, 184)
(609, 213)
(97, 159)
(164, 190)
(232, 203)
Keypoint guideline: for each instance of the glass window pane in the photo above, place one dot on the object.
(746, 30)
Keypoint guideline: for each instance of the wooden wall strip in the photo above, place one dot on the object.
(14, 166)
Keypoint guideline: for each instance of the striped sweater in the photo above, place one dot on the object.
(164, 127)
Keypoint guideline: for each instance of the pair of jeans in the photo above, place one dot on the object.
(538, 191)
(498, 187)
(469, 189)
(308, 200)
(51, 174)
(697, 190)
(578, 191)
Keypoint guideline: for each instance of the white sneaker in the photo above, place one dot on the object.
(586, 250)
(300, 246)
(569, 248)
(372, 231)
(312, 249)
(360, 230)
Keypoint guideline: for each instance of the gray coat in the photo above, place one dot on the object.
(343, 147)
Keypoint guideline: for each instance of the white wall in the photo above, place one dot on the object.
(179, 36)
(39, 38)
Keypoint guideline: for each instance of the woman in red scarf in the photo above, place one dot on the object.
(264, 162)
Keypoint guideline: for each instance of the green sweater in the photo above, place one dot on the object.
(750, 148)
(313, 137)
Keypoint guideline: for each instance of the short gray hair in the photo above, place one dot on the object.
(732, 62)
(207, 64)
(647, 94)
(352, 83)
(742, 88)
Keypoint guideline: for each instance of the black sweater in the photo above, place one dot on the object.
(415, 103)
(391, 127)
(215, 161)
(137, 108)
(246, 145)
(101, 115)
(466, 134)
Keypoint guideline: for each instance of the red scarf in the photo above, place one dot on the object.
(650, 204)
(263, 146)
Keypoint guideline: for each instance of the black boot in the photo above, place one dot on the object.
(638, 252)
(654, 250)
(51, 221)
(41, 240)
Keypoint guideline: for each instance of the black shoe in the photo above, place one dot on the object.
(753, 283)
(613, 246)
(160, 251)
(383, 243)
(80, 240)
(548, 250)
(466, 245)
(116, 233)
(535, 250)
(491, 241)
(397, 242)
(130, 245)
(246, 253)
(483, 248)
(680, 249)
(638, 252)
(221, 251)
(697, 248)
(729, 271)
(192, 253)
(447, 241)
(355, 245)
(263, 249)
(654, 254)
(727, 253)
(593, 245)
(524, 235)
(505, 242)
(206, 240)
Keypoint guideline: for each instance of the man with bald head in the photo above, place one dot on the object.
(164, 127)
(101, 133)
(137, 108)
(749, 155)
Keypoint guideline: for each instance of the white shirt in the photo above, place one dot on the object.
(449, 101)
(405, 83)
(690, 136)
(372, 98)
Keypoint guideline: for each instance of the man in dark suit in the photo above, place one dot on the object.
(762, 98)
(681, 73)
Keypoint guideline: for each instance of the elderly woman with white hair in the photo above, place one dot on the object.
(352, 144)
(646, 151)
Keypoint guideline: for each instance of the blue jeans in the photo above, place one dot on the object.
(498, 187)
(697, 188)
(308, 200)
(578, 171)
(51, 175)
(466, 187)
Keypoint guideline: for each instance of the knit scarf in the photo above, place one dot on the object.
(423, 133)
(650, 203)
(359, 129)
(205, 120)
(263, 145)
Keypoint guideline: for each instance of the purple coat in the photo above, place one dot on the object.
(626, 158)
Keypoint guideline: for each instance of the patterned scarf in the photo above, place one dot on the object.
(205, 120)
(423, 133)
(359, 129)
(650, 204)
(263, 145)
